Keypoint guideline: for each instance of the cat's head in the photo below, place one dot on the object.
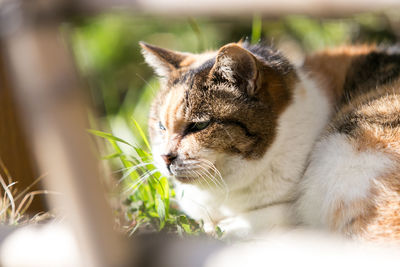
(217, 110)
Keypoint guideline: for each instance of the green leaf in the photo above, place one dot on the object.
(186, 227)
(108, 136)
(144, 138)
(184, 223)
(219, 232)
(142, 154)
(160, 207)
(112, 156)
(162, 188)
(165, 185)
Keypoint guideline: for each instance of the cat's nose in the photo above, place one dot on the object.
(169, 158)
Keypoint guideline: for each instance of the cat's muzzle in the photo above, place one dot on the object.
(185, 172)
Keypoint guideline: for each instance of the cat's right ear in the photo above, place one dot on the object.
(234, 64)
(162, 60)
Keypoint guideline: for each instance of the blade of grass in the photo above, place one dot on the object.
(256, 29)
(112, 156)
(10, 198)
(5, 170)
(108, 136)
(160, 207)
(144, 138)
(200, 37)
(28, 198)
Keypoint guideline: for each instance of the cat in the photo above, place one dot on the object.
(255, 143)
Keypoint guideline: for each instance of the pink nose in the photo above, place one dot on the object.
(168, 158)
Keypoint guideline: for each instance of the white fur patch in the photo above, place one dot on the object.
(337, 172)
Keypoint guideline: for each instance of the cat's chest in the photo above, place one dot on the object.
(212, 205)
(215, 205)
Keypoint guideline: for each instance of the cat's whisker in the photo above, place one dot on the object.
(198, 182)
(191, 161)
(140, 180)
(205, 171)
(209, 175)
(209, 165)
(221, 186)
(132, 169)
(132, 190)
(212, 166)
(224, 187)
(220, 177)
(153, 90)
(141, 163)
(137, 184)
(190, 167)
(206, 179)
(126, 174)
(203, 178)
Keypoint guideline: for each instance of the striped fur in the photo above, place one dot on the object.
(255, 143)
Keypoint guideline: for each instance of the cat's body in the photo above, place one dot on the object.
(317, 145)
(352, 182)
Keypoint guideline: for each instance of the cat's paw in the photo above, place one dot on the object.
(235, 229)
(209, 228)
(212, 230)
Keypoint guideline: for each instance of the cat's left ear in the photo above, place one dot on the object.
(162, 60)
(234, 63)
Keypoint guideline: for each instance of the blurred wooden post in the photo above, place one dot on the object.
(14, 152)
(48, 93)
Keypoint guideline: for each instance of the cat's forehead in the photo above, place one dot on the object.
(190, 95)
(187, 86)
(194, 76)
(185, 100)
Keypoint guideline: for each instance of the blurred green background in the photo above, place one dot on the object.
(121, 85)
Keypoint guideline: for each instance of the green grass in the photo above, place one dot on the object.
(256, 31)
(148, 195)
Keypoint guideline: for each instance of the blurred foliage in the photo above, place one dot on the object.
(121, 85)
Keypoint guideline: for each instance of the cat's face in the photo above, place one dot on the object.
(215, 111)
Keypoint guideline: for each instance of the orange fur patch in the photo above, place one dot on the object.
(330, 67)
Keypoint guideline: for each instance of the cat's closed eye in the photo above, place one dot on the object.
(197, 126)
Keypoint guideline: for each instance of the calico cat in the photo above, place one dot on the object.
(255, 143)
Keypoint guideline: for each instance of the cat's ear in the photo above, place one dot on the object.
(162, 60)
(236, 64)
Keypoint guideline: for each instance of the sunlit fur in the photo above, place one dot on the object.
(282, 146)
